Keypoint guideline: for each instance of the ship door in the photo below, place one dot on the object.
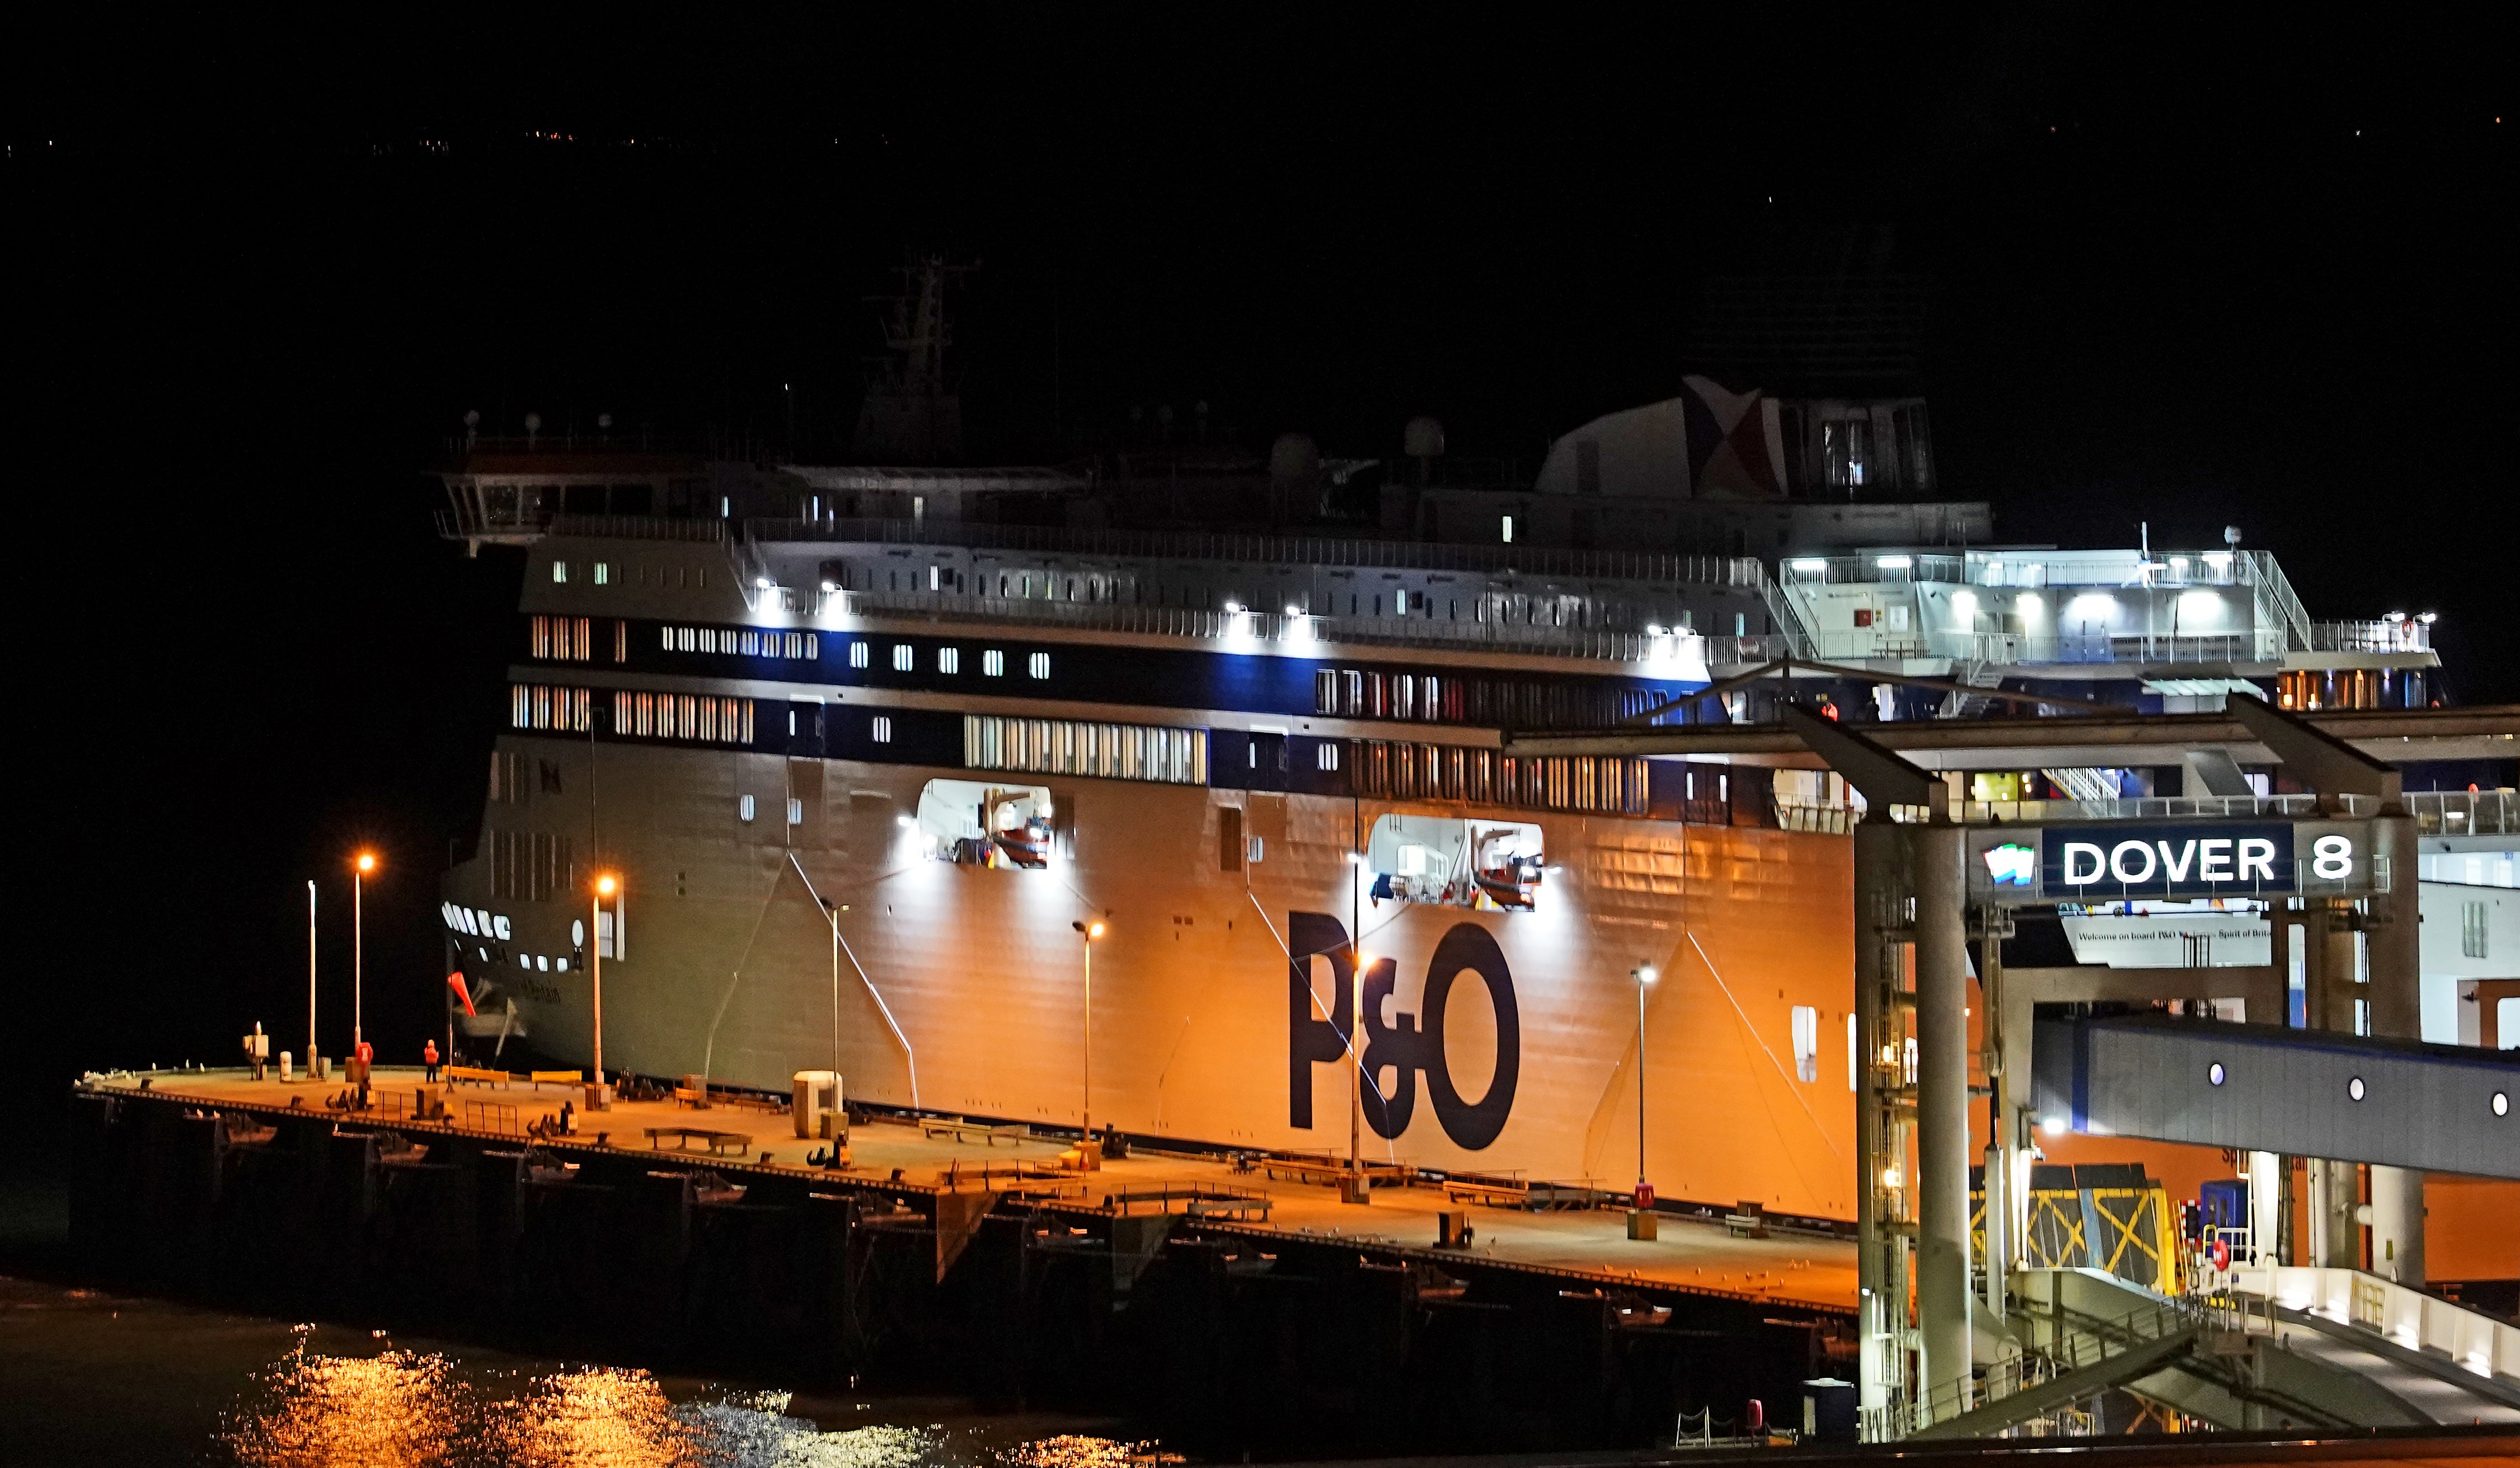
(1268, 760)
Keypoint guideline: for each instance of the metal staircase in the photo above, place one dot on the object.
(1975, 673)
(2085, 783)
(2238, 1362)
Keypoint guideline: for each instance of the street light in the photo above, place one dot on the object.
(310, 978)
(598, 1096)
(1639, 1223)
(359, 869)
(1092, 931)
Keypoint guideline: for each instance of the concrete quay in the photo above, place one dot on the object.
(936, 1260)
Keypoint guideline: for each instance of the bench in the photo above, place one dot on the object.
(719, 1143)
(1561, 1197)
(478, 1076)
(1232, 1209)
(1319, 1169)
(1504, 1193)
(962, 1130)
(1198, 1200)
(557, 1077)
(697, 1098)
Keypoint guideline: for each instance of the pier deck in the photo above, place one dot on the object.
(1691, 1253)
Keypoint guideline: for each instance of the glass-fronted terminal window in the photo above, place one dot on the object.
(1486, 865)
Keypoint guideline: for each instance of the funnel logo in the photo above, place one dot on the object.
(2011, 865)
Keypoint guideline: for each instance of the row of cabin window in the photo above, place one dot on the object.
(1073, 746)
(606, 573)
(530, 865)
(572, 640)
(806, 646)
(1442, 699)
(905, 660)
(1448, 772)
(681, 716)
(534, 705)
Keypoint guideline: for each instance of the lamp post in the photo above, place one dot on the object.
(1355, 1189)
(1092, 931)
(310, 978)
(359, 869)
(1641, 1218)
(599, 1096)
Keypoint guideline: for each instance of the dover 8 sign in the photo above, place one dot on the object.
(2128, 860)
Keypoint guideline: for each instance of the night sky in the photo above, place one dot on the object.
(2189, 278)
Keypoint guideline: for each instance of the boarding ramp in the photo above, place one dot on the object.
(2241, 1361)
(2271, 1089)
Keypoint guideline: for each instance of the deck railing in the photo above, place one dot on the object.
(1269, 550)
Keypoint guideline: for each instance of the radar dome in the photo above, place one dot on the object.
(1294, 455)
(1423, 439)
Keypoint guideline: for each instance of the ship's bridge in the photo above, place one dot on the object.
(2192, 620)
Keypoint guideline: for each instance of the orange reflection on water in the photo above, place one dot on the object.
(388, 1410)
(406, 1410)
(600, 1418)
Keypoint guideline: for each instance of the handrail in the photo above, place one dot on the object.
(1281, 550)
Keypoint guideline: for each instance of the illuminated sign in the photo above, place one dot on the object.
(2180, 861)
(2013, 865)
(2223, 858)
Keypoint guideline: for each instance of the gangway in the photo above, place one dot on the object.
(2241, 1358)
(2272, 1089)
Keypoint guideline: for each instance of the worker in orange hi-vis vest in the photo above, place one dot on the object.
(428, 1060)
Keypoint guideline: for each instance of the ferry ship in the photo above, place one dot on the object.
(873, 749)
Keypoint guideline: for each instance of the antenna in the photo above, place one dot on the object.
(472, 426)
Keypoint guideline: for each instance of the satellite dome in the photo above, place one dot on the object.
(473, 418)
(1294, 455)
(1423, 439)
(533, 422)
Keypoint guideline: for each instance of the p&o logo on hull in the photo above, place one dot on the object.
(1407, 1045)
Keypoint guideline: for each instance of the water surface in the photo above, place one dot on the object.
(88, 1377)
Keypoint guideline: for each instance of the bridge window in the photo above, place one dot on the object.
(857, 654)
(1325, 757)
(1038, 665)
(949, 659)
(902, 657)
(881, 729)
(993, 665)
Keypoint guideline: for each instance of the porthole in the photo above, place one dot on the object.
(2354, 1087)
(2502, 1103)
(2214, 1073)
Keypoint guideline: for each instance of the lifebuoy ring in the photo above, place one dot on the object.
(2221, 1252)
